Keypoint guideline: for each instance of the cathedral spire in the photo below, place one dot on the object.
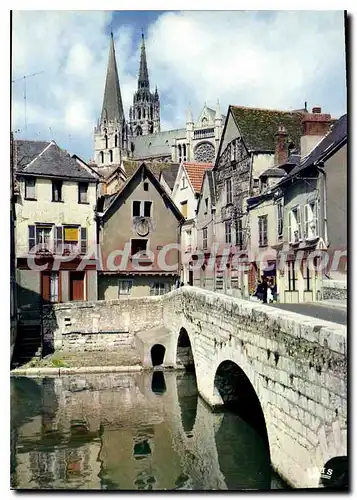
(143, 81)
(112, 104)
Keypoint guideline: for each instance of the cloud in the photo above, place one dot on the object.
(276, 59)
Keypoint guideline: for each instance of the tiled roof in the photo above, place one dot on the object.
(273, 172)
(47, 159)
(195, 172)
(259, 126)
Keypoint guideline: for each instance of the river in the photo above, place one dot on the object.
(139, 431)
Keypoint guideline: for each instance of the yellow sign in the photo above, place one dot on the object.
(71, 234)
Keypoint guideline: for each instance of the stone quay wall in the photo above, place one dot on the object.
(98, 325)
(334, 290)
(297, 365)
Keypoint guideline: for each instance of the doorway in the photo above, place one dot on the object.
(76, 285)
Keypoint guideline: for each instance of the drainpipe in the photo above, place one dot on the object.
(321, 170)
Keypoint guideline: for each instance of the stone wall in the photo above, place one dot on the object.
(334, 290)
(98, 325)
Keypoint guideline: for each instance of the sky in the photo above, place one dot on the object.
(275, 59)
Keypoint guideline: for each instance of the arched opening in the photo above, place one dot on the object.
(144, 113)
(101, 157)
(335, 474)
(179, 152)
(111, 156)
(139, 114)
(116, 140)
(151, 128)
(184, 356)
(106, 141)
(157, 354)
(138, 131)
(241, 440)
(158, 384)
(239, 396)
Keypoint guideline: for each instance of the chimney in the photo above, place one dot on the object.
(315, 126)
(281, 147)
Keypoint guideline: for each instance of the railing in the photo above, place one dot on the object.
(202, 134)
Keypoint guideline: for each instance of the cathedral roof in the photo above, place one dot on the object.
(155, 145)
(143, 81)
(49, 160)
(258, 126)
(170, 174)
(112, 109)
(195, 173)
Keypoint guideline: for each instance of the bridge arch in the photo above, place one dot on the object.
(238, 395)
(157, 354)
(184, 352)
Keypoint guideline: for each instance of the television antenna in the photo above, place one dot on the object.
(24, 79)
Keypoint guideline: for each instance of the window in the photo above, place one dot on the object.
(54, 287)
(57, 190)
(159, 288)
(184, 208)
(106, 141)
(294, 225)
(82, 192)
(101, 157)
(263, 230)
(311, 219)
(31, 237)
(228, 232)
(43, 237)
(136, 208)
(255, 183)
(30, 189)
(115, 141)
(147, 208)
(70, 238)
(206, 205)
(204, 238)
(188, 240)
(306, 275)
(138, 246)
(146, 186)
(180, 157)
(184, 183)
(124, 287)
(239, 233)
(184, 152)
(111, 156)
(229, 191)
(280, 214)
(263, 184)
(291, 275)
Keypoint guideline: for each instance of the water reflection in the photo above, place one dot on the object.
(158, 384)
(112, 432)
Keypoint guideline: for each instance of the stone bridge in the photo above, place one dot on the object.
(285, 372)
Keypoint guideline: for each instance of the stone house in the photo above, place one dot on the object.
(185, 194)
(247, 149)
(139, 236)
(55, 225)
(203, 276)
(13, 300)
(314, 239)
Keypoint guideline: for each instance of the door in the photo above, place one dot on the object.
(76, 285)
(46, 285)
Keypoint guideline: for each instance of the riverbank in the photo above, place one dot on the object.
(66, 362)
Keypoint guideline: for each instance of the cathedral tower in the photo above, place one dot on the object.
(144, 114)
(111, 132)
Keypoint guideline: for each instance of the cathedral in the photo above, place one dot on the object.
(117, 140)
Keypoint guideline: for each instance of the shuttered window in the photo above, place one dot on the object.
(83, 240)
(32, 237)
(30, 189)
(263, 230)
(229, 198)
(58, 239)
(228, 232)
